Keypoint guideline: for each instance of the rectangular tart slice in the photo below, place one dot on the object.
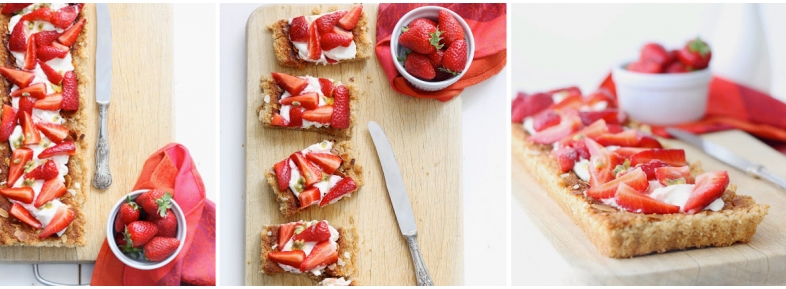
(628, 193)
(330, 38)
(314, 248)
(308, 103)
(321, 174)
(43, 125)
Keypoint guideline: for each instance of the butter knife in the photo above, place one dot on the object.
(400, 200)
(728, 157)
(103, 178)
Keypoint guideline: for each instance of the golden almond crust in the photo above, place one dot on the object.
(287, 54)
(622, 234)
(289, 204)
(12, 231)
(272, 92)
(347, 251)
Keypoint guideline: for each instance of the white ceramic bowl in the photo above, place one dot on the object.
(141, 263)
(662, 99)
(430, 12)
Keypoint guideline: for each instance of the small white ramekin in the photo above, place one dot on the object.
(430, 12)
(141, 263)
(662, 99)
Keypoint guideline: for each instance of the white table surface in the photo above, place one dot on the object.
(484, 142)
(196, 123)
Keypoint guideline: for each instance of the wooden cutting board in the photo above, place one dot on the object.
(425, 135)
(140, 118)
(760, 262)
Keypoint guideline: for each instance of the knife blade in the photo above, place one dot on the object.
(103, 177)
(723, 154)
(400, 200)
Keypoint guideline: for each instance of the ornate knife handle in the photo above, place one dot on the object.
(102, 178)
(761, 172)
(424, 279)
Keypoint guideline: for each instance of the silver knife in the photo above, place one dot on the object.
(728, 157)
(400, 200)
(103, 178)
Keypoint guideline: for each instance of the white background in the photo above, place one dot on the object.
(484, 143)
(196, 121)
(568, 44)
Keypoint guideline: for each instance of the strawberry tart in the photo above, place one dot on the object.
(319, 175)
(324, 253)
(629, 194)
(42, 125)
(329, 38)
(308, 103)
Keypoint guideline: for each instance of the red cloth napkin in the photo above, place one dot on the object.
(171, 169)
(488, 24)
(731, 106)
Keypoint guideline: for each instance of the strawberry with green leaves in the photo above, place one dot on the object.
(451, 27)
(155, 202)
(160, 248)
(455, 58)
(696, 54)
(423, 39)
(138, 233)
(128, 212)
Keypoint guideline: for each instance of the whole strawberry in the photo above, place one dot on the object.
(167, 226)
(451, 28)
(455, 58)
(423, 38)
(436, 58)
(159, 248)
(139, 233)
(422, 21)
(127, 213)
(155, 202)
(419, 65)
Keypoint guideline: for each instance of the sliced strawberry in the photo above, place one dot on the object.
(592, 131)
(516, 106)
(322, 114)
(633, 201)
(615, 128)
(70, 91)
(309, 100)
(327, 162)
(340, 117)
(11, 8)
(25, 104)
(22, 214)
(51, 74)
(566, 157)
(43, 14)
(581, 149)
(646, 141)
(64, 17)
(45, 171)
(331, 40)
(636, 179)
(673, 157)
(18, 41)
(7, 122)
(531, 105)
(598, 96)
(37, 90)
(545, 120)
(344, 33)
(709, 187)
(567, 126)
(298, 30)
(344, 187)
(64, 148)
(330, 60)
(609, 115)
(62, 218)
(326, 86)
(314, 48)
(54, 132)
(51, 190)
(309, 197)
(349, 20)
(650, 167)
(671, 175)
(315, 233)
(627, 152)
(21, 194)
(18, 77)
(573, 101)
(279, 120)
(69, 36)
(16, 168)
(292, 84)
(296, 116)
(289, 258)
(50, 102)
(285, 232)
(323, 254)
(30, 53)
(45, 38)
(308, 171)
(49, 52)
(602, 163)
(325, 23)
(30, 132)
(283, 174)
(628, 138)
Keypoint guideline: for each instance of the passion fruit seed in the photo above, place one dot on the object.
(28, 182)
(298, 245)
(299, 229)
